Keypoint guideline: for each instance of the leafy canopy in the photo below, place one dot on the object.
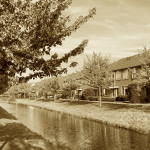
(143, 75)
(29, 30)
(96, 71)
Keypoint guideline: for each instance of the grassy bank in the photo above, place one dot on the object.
(132, 117)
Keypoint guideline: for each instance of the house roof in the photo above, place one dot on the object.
(127, 62)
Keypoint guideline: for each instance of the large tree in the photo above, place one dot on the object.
(96, 72)
(144, 74)
(29, 30)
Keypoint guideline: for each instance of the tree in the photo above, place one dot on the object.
(43, 87)
(139, 89)
(26, 36)
(13, 91)
(55, 87)
(96, 72)
(22, 88)
(70, 87)
(144, 74)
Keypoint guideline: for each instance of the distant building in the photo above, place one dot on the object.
(124, 71)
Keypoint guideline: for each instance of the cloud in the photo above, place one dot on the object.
(119, 28)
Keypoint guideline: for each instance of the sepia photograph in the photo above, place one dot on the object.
(74, 74)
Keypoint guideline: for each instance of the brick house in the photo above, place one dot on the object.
(124, 71)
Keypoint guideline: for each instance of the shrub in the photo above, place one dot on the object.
(108, 99)
(82, 97)
(65, 94)
(147, 99)
(87, 93)
(121, 98)
(135, 90)
(92, 98)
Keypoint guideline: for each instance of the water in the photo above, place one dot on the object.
(66, 132)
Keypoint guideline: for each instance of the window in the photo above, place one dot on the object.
(118, 75)
(125, 74)
(124, 90)
(134, 73)
(112, 76)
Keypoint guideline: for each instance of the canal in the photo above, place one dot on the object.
(66, 132)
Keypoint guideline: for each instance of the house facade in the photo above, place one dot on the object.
(123, 72)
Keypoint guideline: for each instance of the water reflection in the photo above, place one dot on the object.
(66, 132)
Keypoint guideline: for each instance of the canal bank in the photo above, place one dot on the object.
(114, 115)
(14, 135)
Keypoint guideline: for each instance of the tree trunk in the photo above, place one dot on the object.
(100, 97)
(3, 82)
(54, 97)
(45, 95)
(71, 95)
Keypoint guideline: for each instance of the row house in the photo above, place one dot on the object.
(124, 71)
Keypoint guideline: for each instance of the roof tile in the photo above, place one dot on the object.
(127, 62)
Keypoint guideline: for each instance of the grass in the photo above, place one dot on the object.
(120, 115)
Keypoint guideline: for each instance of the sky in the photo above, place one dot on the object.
(120, 28)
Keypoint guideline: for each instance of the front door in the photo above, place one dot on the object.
(116, 92)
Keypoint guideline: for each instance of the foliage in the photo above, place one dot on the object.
(122, 98)
(144, 74)
(3, 83)
(43, 88)
(26, 36)
(71, 85)
(65, 94)
(92, 98)
(138, 89)
(69, 88)
(135, 92)
(96, 71)
(147, 99)
(20, 88)
(55, 87)
(88, 92)
(108, 99)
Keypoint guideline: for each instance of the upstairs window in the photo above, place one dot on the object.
(118, 75)
(125, 74)
(134, 73)
(112, 76)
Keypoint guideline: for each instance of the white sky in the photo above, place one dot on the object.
(120, 27)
